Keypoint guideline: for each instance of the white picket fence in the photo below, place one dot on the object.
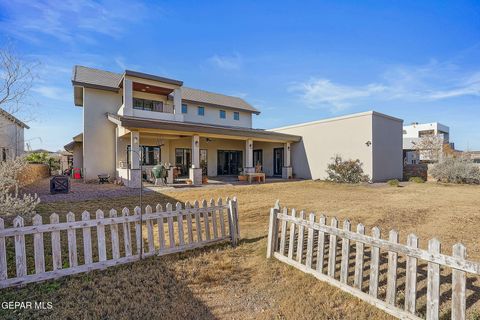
(312, 246)
(167, 231)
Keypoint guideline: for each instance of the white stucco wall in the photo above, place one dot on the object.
(11, 137)
(99, 132)
(347, 136)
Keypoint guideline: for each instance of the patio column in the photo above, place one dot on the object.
(127, 97)
(195, 170)
(134, 178)
(249, 166)
(287, 168)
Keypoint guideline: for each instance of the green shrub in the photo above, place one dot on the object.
(416, 179)
(349, 171)
(393, 183)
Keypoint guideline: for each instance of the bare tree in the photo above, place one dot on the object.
(16, 80)
(430, 148)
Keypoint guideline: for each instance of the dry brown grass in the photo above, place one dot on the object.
(221, 282)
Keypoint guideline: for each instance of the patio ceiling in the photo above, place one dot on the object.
(204, 130)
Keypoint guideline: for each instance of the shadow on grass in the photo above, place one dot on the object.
(147, 289)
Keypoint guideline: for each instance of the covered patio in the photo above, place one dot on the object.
(192, 150)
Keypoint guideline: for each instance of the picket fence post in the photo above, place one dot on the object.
(273, 230)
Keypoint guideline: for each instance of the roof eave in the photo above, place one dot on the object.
(94, 86)
(134, 122)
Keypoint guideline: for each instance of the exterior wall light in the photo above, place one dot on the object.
(368, 143)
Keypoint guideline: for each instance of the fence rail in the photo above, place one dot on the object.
(48, 251)
(313, 247)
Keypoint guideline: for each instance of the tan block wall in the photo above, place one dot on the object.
(34, 172)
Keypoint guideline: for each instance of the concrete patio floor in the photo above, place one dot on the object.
(80, 191)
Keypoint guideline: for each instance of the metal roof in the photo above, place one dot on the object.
(106, 80)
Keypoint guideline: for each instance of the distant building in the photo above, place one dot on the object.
(416, 132)
(11, 136)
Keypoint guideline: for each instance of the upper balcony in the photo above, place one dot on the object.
(151, 98)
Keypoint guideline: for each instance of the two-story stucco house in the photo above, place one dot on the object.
(131, 115)
(190, 128)
(11, 136)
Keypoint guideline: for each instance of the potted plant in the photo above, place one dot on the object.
(189, 181)
(242, 176)
(204, 179)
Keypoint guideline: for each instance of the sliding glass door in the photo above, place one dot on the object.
(229, 162)
(183, 160)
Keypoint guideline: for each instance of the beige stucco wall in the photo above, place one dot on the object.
(387, 148)
(267, 148)
(348, 136)
(168, 147)
(212, 116)
(11, 137)
(78, 155)
(99, 132)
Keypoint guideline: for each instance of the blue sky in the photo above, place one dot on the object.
(416, 60)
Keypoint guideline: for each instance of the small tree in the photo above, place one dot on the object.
(349, 171)
(11, 201)
(430, 148)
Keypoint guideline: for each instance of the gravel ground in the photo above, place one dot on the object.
(80, 191)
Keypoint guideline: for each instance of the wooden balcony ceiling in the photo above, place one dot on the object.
(151, 89)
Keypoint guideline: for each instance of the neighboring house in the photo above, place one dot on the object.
(202, 133)
(419, 136)
(76, 149)
(12, 143)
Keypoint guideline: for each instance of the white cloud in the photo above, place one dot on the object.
(69, 20)
(431, 82)
(54, 93)
(233, 62)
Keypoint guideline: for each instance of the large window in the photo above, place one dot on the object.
(201, 111)
(148, 105)
(223, 114)
(184, 108)
(150, 155)
(236, 115)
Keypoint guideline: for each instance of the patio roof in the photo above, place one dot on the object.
(199, 128)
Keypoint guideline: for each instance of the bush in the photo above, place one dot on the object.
(11, 201)
(416, 179)
(456, 170)
(393, 183)
(44, 158)
(349, 171)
